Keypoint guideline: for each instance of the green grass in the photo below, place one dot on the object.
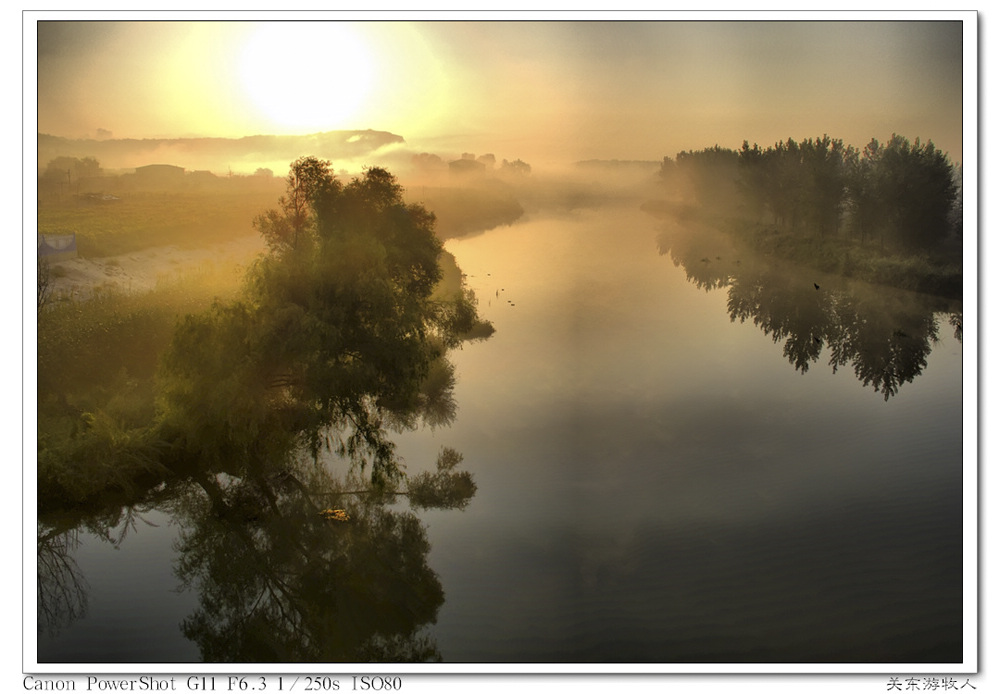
(97, 385)
(84, 343)
(97, 362)
(143, 220)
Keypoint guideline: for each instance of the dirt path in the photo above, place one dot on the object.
(142, 270)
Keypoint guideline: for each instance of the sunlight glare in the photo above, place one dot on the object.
(307, 76)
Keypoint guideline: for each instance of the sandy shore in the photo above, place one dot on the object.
(143, 270)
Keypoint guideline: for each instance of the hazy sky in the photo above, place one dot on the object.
(533, 90)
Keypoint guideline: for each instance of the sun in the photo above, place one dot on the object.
(302, 77)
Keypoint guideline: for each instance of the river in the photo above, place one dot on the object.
(681, 455)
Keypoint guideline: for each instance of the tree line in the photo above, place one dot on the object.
(901, 194)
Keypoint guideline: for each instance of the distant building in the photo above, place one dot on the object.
(201, 179)
(159, 175)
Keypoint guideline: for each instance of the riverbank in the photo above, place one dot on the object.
(142, 270)
(939, 274)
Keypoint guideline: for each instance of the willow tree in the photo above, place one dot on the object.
(333, 337)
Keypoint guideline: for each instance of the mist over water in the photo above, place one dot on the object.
(520, 360)
(689, 496)
(656, 481)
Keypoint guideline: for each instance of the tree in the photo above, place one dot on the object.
(713, 174)
(905, 191)
(753, 177)
(335, 335)
(866, 214)
(309, 179)
(427, 163)
(785, 177)
(917, 180)
(955, 214)
(44, 283)
(515, 168)
(71, 169)
(63, 174)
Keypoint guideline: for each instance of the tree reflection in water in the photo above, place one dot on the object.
(279, 581)
(883, 335)
(339, 338)
(62, 595)
(62, 588)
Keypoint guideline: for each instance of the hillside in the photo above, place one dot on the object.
(216, 153)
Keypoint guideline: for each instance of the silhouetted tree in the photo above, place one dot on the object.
(62, 588)
(955, 215)
(71, 169)
(336, 334)
(668, 174)
(825, 163)
(753, 178)
(515, 168)
(784, 162)
(907, 194)
(308, 179)
(866, 216)
(904, 191)
(713, 174)
(425, 162)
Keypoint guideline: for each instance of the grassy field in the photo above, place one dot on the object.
(142, 220)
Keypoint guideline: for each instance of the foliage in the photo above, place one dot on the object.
(335, 336)
(904, 192)
(82, 382)
(823, 203)
(308, 180)
(103, 454)
(70, 169)
(884, 337)
(801, 184)
(445, 488)
(278, 582)
(515, 168)
(44, 282)
(712, 174)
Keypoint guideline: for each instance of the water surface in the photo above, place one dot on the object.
(670, 468)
